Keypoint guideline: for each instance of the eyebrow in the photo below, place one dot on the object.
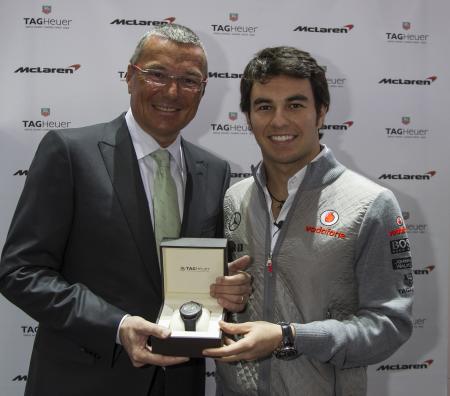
(292, 98)
(159, 67)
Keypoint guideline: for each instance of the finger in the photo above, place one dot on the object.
(164, 360)
(235, 328)
(237, 348)
(143, 327)
(228, 341)
(240, 278)
(230, 289)
(230, 306)
(233, 303)
(159, 331)
(240, 299)
(231, 359)
(239, 264)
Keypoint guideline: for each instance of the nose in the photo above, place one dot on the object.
(279, 119)
(171, 88)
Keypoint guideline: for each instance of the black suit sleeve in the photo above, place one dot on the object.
(32, 265)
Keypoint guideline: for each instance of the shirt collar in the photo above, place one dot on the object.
(144, 144)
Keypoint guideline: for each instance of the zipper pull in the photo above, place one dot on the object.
(269, 264)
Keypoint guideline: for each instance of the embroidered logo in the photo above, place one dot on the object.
(329, 217)
(235, 221)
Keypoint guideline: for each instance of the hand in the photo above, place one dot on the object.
(260, 340)
(134, 332)
(232, 292)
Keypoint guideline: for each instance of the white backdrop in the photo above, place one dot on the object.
(63, 65)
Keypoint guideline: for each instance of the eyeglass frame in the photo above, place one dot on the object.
(171, 77)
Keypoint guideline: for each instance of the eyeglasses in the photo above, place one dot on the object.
(159, 78)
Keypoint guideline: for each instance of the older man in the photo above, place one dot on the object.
(81, 254)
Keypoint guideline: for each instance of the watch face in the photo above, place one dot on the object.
(286, 353)
(190, 309)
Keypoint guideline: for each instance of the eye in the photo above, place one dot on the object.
(155, 74)
(296, 105)
(263, 107)
(189, 81)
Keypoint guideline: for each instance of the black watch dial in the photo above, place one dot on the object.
(190, 310)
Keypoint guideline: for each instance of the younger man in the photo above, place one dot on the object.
(332, 286)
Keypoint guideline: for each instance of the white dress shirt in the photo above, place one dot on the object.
(144, 144)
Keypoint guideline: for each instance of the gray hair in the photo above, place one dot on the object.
(171, 31)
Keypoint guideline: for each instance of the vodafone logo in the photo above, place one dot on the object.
(399, 221)
(329, 217)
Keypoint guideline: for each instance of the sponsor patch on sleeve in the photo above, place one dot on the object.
(400, 246)
(402, 263)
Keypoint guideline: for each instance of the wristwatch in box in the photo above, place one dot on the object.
(190, 312)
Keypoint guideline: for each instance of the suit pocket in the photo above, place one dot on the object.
(51, 345)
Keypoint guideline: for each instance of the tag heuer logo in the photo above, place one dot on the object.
(234, 16)
(45, 111)
(232, 115)
(46, 9)
(406, 25)
(406, 120)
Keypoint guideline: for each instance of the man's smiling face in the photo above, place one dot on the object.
(162, 111)
(284, 121)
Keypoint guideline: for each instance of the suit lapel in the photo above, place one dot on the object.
(197, 171)
(120, 160)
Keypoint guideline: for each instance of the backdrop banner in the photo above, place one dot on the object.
(64, 65)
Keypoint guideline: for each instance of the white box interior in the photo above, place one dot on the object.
(188, 273)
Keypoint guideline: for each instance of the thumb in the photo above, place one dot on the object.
(239, 264)
(150, 329)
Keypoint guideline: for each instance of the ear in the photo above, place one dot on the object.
(204, 88)
(249, 121)
(130, 72)
(321, 117)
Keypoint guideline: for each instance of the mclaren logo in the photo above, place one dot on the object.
(317, 29)
(136, 22)
(59, 70)
(399, 176)
(337, 127)
(416, 366)
(404, 81)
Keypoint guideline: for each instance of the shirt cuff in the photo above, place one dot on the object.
(118, 328)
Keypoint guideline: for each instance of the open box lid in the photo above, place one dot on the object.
(190, 266)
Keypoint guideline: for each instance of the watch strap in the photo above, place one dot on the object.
(286, 350)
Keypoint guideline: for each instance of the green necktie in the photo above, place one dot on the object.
(165, 202)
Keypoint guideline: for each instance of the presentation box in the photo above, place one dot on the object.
(189, 266)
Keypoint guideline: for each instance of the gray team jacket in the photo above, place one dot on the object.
(341, 271)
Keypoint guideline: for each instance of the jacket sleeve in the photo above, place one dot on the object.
(33, 256)
(384, 275)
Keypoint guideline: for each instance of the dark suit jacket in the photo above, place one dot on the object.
(81, 253)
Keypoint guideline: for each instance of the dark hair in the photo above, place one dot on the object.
(289, 61)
